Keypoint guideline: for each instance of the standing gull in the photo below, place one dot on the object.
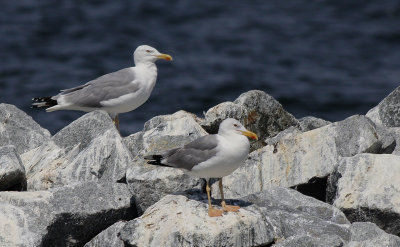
(117, 92)
(211, 156)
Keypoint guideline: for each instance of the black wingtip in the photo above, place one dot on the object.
(43, 102)
(155, 160)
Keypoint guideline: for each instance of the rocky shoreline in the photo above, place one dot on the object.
(307, 182)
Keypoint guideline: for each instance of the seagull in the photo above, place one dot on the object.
(211, 156)
(117, 92)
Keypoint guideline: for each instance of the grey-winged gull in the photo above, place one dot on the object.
(211, 156)
(117, 92)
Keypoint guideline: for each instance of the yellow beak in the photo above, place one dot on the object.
(250, 134)
(165, 57)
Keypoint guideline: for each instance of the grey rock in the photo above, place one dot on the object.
(177, 220)
(65, 216)
(367, 234)
(291, 131)
(373, 114)
(395, 134)
(258, 111)
(356, 134)
(14, 227)
(387, 112)
(165, 132)
(368, 190)
(310, 123)
(150, 183)
(108, 237)
(291, 159)
(12, 171)
(324, 240)
(389, 138)
(265, 217)
(292, 213)
(20, 130)
(135, 143)
(89, 149)
(286, 199)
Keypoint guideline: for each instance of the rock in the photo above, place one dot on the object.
(292, 213)
(387, 112)
(89, 149)
(294, 158)
(14, 227)
(290, 160)
(177, 220)
(165, 132)
(356, 134)
(65, 216)
(367, 234)
(373, 114)
(257, 111)
(389, 138)
(12, 171)
(150, 183)
(307, 241)
(20, 130)
(291, 131)
(363, 234)
(394, 133)
(368, 190)
(108, 237)
(182, 220)
(310, 123)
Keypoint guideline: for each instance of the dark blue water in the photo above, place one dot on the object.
(329, 59)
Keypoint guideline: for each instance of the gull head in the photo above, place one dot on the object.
(231, 126)
(145, 54)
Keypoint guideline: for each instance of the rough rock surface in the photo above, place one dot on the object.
(262, 219)
(20, 130)
(66, 216)
(294, 158)
(353, 164)
(258, 111)
(14, 227)
(165, 132)
(367, 234)
(394, 133)
(368, 189)
(166, 223)
(356, 134)
(325, 240)
(89, 149)
(12, 171)
(150, 183)
(310, 123)
(290, 160)
(292, 213)
(109, 237)
(387, 112)
(362, 234)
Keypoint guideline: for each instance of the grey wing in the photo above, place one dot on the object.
(106, 87)
(194, 153)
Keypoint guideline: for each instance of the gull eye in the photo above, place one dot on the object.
(235, 125)
(148, 51)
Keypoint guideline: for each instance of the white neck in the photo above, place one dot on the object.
(235, 137)
(147, 66)
(145, 63)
